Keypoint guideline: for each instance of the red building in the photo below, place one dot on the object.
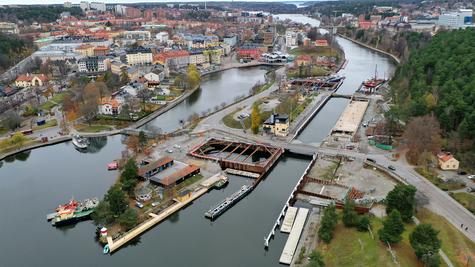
(132, 12)
(249, 53)
(101, 51)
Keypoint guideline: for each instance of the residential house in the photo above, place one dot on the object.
(447, 161)
(303, 60)
(321, 42)
(92, 64)
(277, 124)
(29, 80)
(110, 106)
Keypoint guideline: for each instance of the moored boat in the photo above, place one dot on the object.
(80, 142)
(73, 212)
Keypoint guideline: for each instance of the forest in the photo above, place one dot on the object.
(30, 14)
(439, 79)
(13, 49)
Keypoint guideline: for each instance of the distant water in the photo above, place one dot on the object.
(298, 18)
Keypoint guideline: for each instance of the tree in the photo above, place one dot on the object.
(128, 219)
(117, 200)
(128, 177)
(193, 76)
(364, 223)
(393, 228)
(350, 218)
(255, 118)
(144, 94)
(328, 224)
(12, 120)
(124, 77)
(316, 260)
(102, 214)
(402, 199)
(426, 244)
(132, 143)
(89, 105)
(142, 139)
(422, 134)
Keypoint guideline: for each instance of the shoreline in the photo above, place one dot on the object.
(393, 57)
(140, 122)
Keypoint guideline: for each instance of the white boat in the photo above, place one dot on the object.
(80, 142)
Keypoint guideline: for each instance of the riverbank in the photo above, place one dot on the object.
(393, 57)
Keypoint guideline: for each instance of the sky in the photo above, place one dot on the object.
(36, 2)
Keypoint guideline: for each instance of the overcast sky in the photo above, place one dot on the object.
(29, 2)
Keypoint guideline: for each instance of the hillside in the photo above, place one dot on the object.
(439, 79)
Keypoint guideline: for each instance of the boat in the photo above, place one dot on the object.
(373, 83)
(73, 211)
(112, 166)
(219, 209)
(80, 142)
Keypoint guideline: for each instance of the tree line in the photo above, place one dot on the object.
(13, 49)
(29, 14)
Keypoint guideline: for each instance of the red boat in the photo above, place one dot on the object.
(112, 166)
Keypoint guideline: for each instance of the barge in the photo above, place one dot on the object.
(219, 209)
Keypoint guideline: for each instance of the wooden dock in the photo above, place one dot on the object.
(157, 218)
(288, 220)
(243, 173)
(293, 240)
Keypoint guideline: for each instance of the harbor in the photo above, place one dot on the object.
(263, 205)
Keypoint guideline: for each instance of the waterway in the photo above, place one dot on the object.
(33, 183)
(216, 88)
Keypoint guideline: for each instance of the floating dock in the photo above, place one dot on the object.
(293, 240)
(242, 173)
(113, 245)
(219, 209)
(350, 119)
(288, 220)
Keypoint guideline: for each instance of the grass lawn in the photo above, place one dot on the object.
(314, 71)
(314, 51)
(454, 243)
(195, 178)
(350, 247)
(3, 130)
(92, 128)
(466, 199)
(50, 123)
(55, 100)
(434, 178)
(229, 121)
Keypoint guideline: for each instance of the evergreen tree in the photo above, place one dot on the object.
(393, 228)
(328, 224)
(426, 244)
(364, 223)
(350, 218)
(402, 199)
(128, 219)
(117, 200)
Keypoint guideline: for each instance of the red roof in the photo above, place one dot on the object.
(304, 58)
(153, 165)
(171, 179)
(29, 77)
(104, 48)
(322, 42)
(445, 156)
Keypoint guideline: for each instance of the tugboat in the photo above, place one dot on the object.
(80, 142)
(73, 212)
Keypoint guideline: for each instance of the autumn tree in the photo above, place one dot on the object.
(89, 105)
(133, 143)
(193, 76)
(124, 77)
(255, 118)
(422, 134)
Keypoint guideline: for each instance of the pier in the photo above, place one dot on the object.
(288, 220)
(205, 186)
(293, 240)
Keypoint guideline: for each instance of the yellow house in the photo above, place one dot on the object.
(447, 161)
(277, 124)
(184, 195)
(28, 80)
(86, 50)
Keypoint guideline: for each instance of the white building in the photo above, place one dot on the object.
(162, 37)
(101, 6)
(8, 27)
(120, 9)
(139, 57)
(92, 64)
(456, 19)
(84, 5)
(68, 5)
(291, 38)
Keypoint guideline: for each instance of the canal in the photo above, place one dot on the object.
(216, 88)
(33, 183)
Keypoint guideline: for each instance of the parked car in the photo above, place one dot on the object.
(154, 204)
(472, 176)
(371, 160)
(169, 151)
(391, 167)
(138, 204)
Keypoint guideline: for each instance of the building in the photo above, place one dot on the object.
(100, 6)
(120, 9)
(291, 38)
(101, 51)
(277, 124)
(456, 19)
(110, 107)
(321, 42)
(29, 80)
(92, 64)
(139, 56)
(117, 67)
(447, 161)
(152, 168)
(137, 35)
(162, 37)
(8, 27)
(86, 50)
(230, 40)
(84, 5)
(132, 12)
(174, 59)
(178, 176)
(303, 60)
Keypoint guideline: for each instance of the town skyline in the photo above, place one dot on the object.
(57, 2)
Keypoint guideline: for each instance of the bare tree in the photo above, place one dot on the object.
(422, 134)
